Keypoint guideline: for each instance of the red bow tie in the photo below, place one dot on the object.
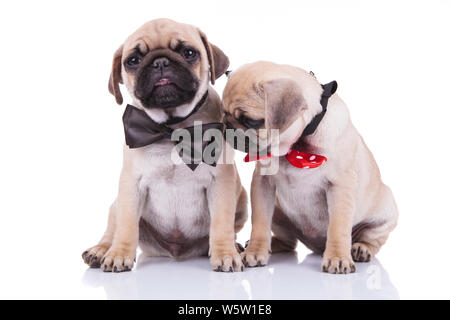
(298, 159)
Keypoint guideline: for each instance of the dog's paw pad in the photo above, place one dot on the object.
(335, 265)
(361, 252)
(256, 256)
(117, 261)
(94, 255)
(226, 260)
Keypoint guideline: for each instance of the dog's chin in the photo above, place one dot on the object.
(279, 152)
(167, 96)
(280, 149)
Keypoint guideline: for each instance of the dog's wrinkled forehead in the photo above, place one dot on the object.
(162, 33)
(243, 91)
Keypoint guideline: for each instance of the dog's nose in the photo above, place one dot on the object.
(160, 63)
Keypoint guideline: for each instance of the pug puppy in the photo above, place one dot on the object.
(340, 209)
(166, 207)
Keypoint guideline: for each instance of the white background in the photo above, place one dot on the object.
(61, 140)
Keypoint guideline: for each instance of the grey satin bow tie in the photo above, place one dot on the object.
(141, 130)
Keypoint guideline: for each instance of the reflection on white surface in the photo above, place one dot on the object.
(284, 278)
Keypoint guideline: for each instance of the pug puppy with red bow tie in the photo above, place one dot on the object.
(170, 208)
(327, 192)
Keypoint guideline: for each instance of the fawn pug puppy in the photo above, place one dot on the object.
(340, 209)
(167, 208)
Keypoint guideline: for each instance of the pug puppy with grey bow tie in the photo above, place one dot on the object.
(327, 192)
(167, 207)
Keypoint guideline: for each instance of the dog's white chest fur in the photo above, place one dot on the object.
(172, 197)
(301, 195)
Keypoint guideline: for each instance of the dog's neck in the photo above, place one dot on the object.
(313, 132)
(328, 90)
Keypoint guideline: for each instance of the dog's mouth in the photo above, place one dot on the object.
(165, 88)
(166, 93)
(162, 82)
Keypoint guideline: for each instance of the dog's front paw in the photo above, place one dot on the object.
(361, 252)
(256, 254)
(226, 259)
(94, 255)
(337, 264)
(118, 260)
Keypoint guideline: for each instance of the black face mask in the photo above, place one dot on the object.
(141, 130)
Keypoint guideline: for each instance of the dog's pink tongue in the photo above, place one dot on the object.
(162, 82)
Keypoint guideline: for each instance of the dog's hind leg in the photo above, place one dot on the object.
(94, 255)
(283, 239)
(285, 243)
(369, 236)
(367, 239)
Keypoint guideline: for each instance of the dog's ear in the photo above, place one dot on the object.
(116, 76)
(283, 103)
(218, 61)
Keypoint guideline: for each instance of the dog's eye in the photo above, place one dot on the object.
(133, 61)
(250, 123)
(189, 54)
